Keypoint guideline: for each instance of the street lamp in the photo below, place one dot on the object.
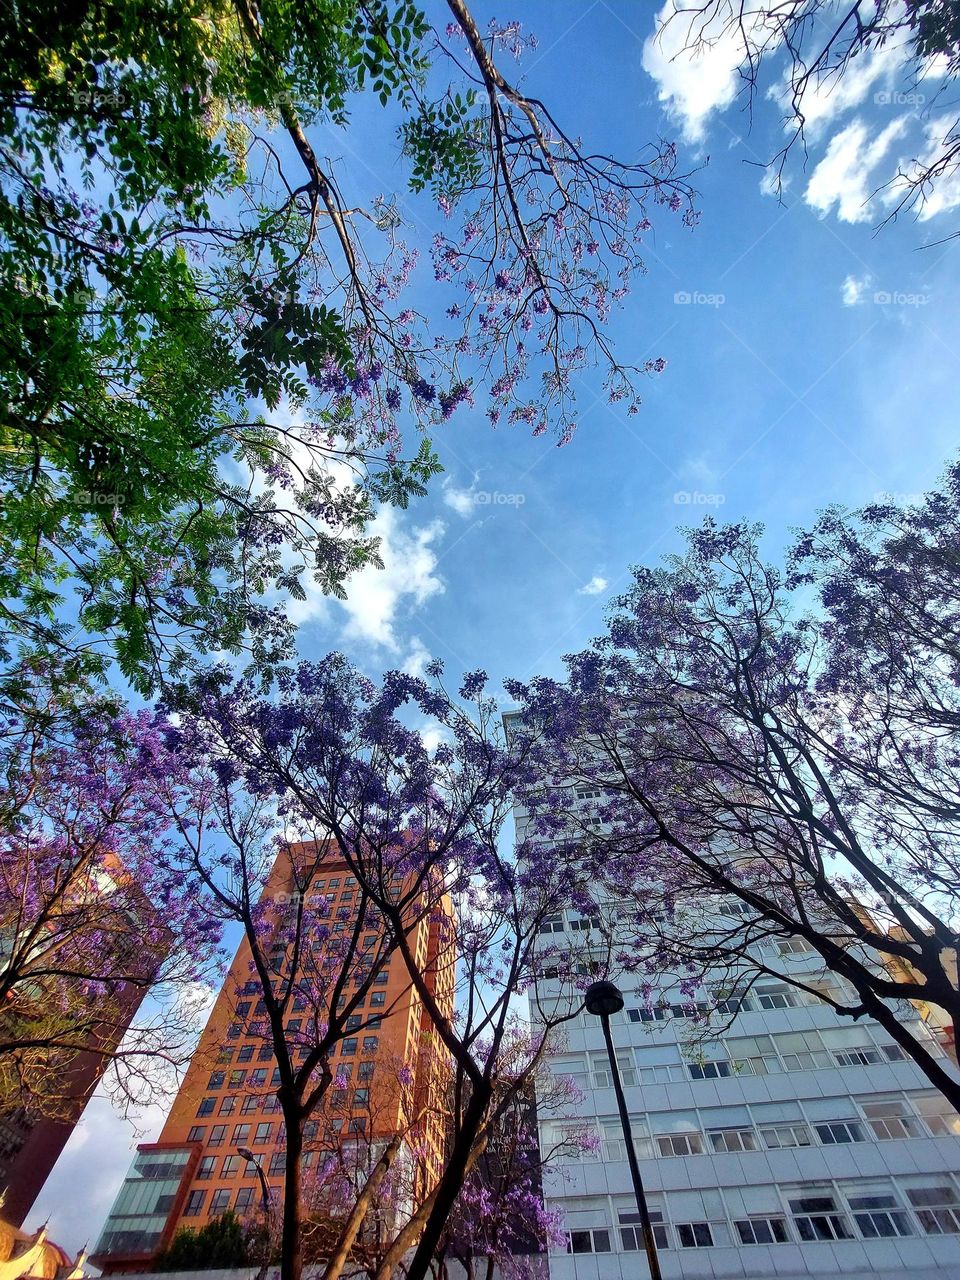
(602, 999)
(250, 1158)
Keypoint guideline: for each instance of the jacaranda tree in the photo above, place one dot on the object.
(210, 374)
(804, 765)
(334, 759)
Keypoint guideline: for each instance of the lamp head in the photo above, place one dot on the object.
(602, 999)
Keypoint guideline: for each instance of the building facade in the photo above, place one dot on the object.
(775, 1137)
(32, 1139)
(227, 1103)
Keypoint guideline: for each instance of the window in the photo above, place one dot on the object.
(277, 1164)
(241, 1132)
(600, 1067)
(275, 1078)
(794, 947)
(217, 1135)
(733, 1139)
(551, 924)
(258, 1078)
(251, 988)
(334, 883)
(353, 1022)
(196, 1133)
(658, 1013)
(891, 1119)
(631, 1232)
(245, 1053)
(262, 1136)
(265, 1053)
(231, 1167)
(237, 1078)
(366, 1071)
(348, 1047)
(939, 1118)
(205, 1168)
(938, 1209)
(786, 1135)
(228, 1105)
(838, 1131)
(776, 997)
(679, 1144)
(878, 1217)
(709, 1070)
(206, 1106)
(382, 978)
(361, 1097)
(370, 1044)
(378, 999)
(583, 924)
(220, 1203)
(216, 1080)
(244, 1199)
(762, 1230)
(234, 1031)
(694, 1235)
(294, 1026)
(596, 1240)
(249, 1105)
(817, 1218)
(357, 1125)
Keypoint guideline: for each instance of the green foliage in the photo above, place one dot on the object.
(150, 289)
(220, 1244)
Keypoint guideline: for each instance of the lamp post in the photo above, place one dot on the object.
(602, 999)
(250, 1158)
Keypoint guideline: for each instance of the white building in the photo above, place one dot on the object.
(792, 1142)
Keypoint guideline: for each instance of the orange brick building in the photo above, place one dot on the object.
(386, 1075)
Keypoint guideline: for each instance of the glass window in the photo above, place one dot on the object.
(249, 1105)
(370, 1044)
(241, 1132)
(216, 1080)
(277, 1166)
(348, 1047)
(217, 1135)
(263, 1134)
(245, 1053)
(220, 1202)
(237, 1078)
(205, 1168)
(938, 1209)
(231, 1167)
(258, 1077)
(762, 1230)
(817, 1218)
(196, 1133)
(679, 1144)
(733, 1139)
(939, 1118)
(694, 1235)
(891, 1118)
(631, 1232)
(839, 1131)
(879, 1217)
(378, 999)
(244, 1199)
(596, 1240)
(353, 1022)
(786, 1135)
(228, 1105)
(206, 1106)
(709, 1070)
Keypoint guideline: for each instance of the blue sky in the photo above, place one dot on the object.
(812, 362)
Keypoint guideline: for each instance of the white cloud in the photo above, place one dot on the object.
(944, 194)
(375, 597)
(594, 587)
(844, 177)
(694, 84)
(415, 663)
(462, 501)
(853, 289)
(432, 734)
(824, 101)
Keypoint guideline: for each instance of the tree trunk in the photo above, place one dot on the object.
(291, 1239)
(354, 1222)
(450, 1183)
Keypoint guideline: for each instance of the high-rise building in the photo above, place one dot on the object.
(32, 1137)
(785, 1141)
(227, 1103)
